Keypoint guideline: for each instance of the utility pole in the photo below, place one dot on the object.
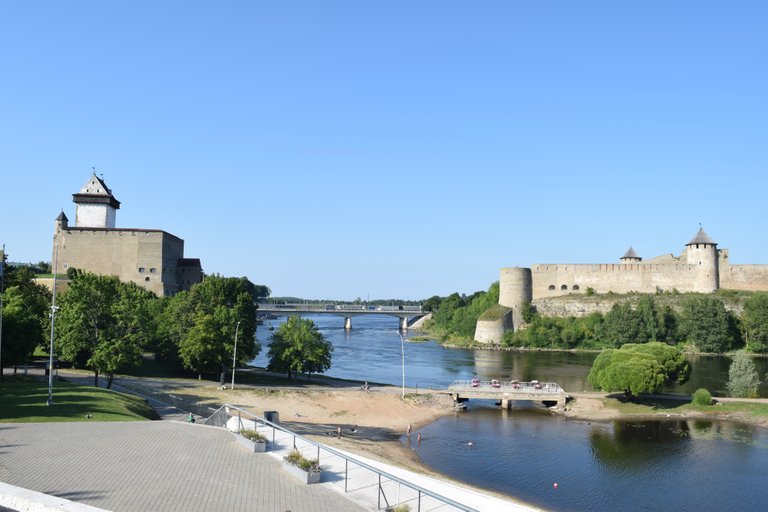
(234, 357)
(2, 291)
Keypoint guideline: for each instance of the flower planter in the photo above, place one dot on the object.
(308, 477)
(252, 446)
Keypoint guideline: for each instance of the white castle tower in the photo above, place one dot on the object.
(96, 207)
(701, 254)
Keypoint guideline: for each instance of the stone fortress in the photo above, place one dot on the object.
(701, 268)
(151, 258)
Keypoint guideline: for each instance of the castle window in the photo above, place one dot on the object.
(575, 287)
(564, 287)
(146, 278)
(141, 270)
(152, 270)
(551, 287)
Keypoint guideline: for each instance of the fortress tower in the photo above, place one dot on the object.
(515, 289)
(701, 254)
(96, 207)
(151, 258)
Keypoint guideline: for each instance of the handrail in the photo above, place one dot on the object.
(507, 386)
(418, 488)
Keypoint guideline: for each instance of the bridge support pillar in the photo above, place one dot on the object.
(505, 403)
(347, 323)
(404, 323)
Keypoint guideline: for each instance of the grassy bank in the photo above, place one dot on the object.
(23, 400)
(752, 412)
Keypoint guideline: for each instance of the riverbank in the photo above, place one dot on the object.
(601, 407)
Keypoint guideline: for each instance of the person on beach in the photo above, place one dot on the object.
(419, 437)
(408, 430)
(338, 431)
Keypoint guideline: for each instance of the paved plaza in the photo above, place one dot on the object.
(154, 465)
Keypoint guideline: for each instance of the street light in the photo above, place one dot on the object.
(402, 357)
(54, 308)
(234, 357)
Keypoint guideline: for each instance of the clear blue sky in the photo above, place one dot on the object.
(392, 148)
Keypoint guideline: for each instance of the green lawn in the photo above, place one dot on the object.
(641, 406)
(23, 400)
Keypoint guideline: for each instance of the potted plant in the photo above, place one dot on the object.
(252, 440)
(306, 470)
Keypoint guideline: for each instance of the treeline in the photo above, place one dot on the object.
(702, 324)
(106, 325)
(455, 316)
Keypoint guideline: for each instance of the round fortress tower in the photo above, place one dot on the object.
(515, 288)
(701, 253)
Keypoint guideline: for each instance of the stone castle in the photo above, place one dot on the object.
(701, 267)
(151, 258)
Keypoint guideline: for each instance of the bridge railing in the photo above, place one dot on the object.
(507, 386)
(338, 307)
(364, 481)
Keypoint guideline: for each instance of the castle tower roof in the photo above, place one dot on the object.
(630, 255)
(95, 191)
(62, 217)
(701, 238)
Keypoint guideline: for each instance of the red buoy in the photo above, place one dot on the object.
(555, 485)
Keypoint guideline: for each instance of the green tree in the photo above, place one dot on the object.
(743, 380)
(754, 320)
(103, 323)
(627, 371)
(623, 325)
(22, 328)
(201, 324)
(705, 322)
(298, 346)
(636, 369)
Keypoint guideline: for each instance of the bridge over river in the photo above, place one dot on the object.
(406, 314)
(545, 392)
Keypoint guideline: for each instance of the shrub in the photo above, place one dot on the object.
(702, 397)
(295, 458)
(253, 435)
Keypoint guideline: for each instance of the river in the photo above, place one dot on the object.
(649, 465)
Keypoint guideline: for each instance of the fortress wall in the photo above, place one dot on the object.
(122, 253)
(492, 331)
(744, 277)
(612, 277)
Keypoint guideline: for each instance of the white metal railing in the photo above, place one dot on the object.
(507, 386)
(363, 480)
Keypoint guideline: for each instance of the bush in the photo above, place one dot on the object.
(253, 435)
(702, 397)
(295, 458)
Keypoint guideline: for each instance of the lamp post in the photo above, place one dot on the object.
(53, 316)
(402, 355)
(234, 357)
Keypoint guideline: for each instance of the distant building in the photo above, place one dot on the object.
(151, 258)
(701, 267)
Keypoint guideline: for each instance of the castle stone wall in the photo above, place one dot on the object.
(492, 331)
(753, 278)
(131, 255)
(552, 280)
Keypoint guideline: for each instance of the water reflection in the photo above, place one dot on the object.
(630, 445)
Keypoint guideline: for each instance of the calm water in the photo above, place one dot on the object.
(655, 465)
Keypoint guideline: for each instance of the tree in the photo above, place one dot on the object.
(22, 328)
(636, 368)
(298, 346)
(743, 380)
(102, 323)
(623, 325)
(202, 324)
(627, 371)
(755, 322)
(705, 322)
